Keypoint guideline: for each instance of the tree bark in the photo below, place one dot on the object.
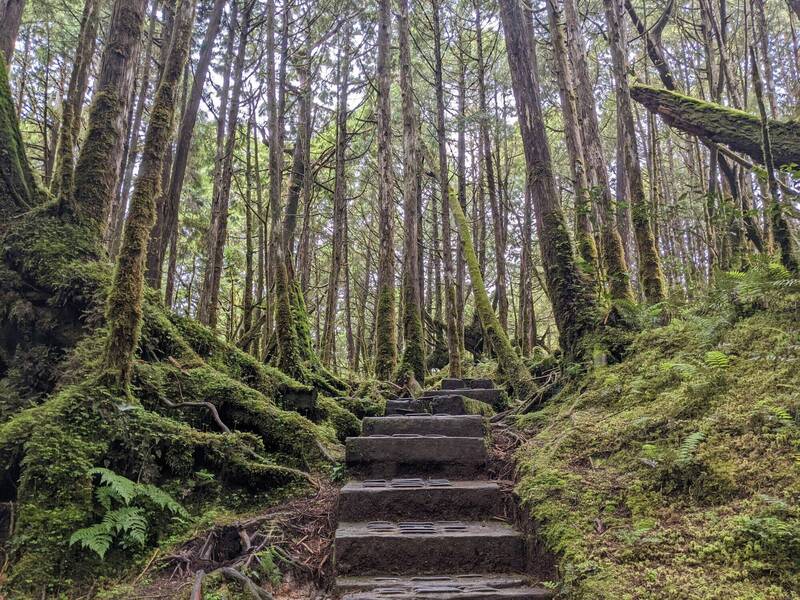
(98, 165)
(339, 203)
(414, 343)
(219, 222)
(737, 129)
(167, 223)
(571, 296)
(650, 275)
(597, 171)
(124, 311)
(385, 330)
(10, 19)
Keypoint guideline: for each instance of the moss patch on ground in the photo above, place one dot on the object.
(676, 473)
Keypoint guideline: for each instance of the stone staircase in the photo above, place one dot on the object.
(421, 520)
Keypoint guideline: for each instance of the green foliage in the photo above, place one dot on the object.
(647, 477)
(128, 522)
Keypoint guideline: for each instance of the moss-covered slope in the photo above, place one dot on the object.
(676, 473)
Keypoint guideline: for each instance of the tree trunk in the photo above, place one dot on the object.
(339, 204)
(613, 251)
(167, 223)
(494, 202)
(98, 165)
(219, 221)
(413, 359)
(10, 19)
(385, 330)
(453, 342)
(587, 249)
(124, 311)
(650, 275)
(736, 129)
(571, 296)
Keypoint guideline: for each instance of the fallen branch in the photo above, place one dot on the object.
(197, 588)
(247, 583)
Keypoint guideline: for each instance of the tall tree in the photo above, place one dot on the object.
(338, 240)
(218, 230)
(570, 293)
(124, 312)
(651, 276)
(10, 18)
(98, 165)
(453, 341)
(385, 330)
(414, 342)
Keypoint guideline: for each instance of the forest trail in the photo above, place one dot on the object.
(423, 520)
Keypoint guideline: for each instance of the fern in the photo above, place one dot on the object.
(689, 446)
(127, 523)
(96, 538)
(717, 359)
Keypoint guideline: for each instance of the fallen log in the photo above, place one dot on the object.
(738, 130)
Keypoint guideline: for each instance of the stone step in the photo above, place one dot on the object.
(418, 499)
(364, 584)
(427, 548)
(426, 424)
(441, 403)
(448, 383)
(490, 396)
(383, 456)
(440, 587)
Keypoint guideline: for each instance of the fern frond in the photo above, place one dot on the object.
(162, 499)
(96, 538)
(717, 359)
(689, 446)
(119, 487)
(128, 520)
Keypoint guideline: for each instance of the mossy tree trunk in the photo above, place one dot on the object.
(509, 362)
(738, 130)
(650, 275)
(18, 188)
(385, 323)
(73, 100)
(338, 240)
(413, 358)
(453, 341)
(616, 268)
(124, 312)
(780, 225)
(570, 292)
(587, 249)
(167, 222)
(98, 165)
(489, 172)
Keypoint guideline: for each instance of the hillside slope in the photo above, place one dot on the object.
(676, 473)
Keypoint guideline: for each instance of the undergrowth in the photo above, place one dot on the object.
(675, 473)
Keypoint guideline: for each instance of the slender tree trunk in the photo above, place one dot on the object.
(453, 341)
(571, 296)
(98, 165)
(597, 170)
(414, 347)
(587, 250)
(385, 329)
(339, 204)
(212, 280)
(124, 311)
(650, 274)
(489, 171)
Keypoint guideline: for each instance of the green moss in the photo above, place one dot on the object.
(344, 422)
(672, 474)
(476, 407)
(385, 334)
(18, 188)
